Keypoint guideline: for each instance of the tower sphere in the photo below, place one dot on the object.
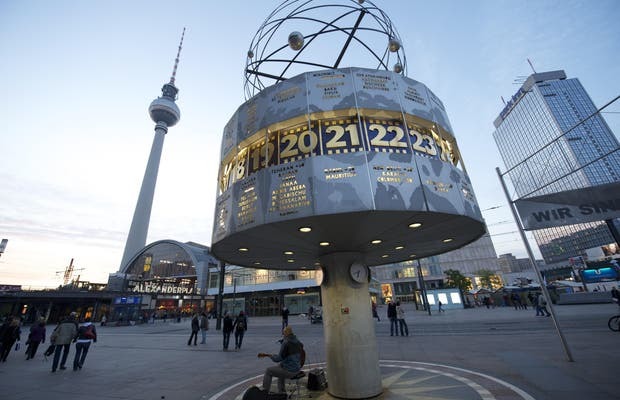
(164, 110)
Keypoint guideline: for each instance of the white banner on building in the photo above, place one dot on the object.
(589, 204)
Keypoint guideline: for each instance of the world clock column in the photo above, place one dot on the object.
(350, 341)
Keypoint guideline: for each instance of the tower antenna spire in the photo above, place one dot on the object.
(176, 60)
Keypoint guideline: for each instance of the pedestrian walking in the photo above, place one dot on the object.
(10, 333)
(62, 337)
(36, 336)
(240, 326)
(400, 312)
(87, 334)
(516, 301)
(393, 317)
(440, 307)
(542, 306)
(195, 329)
(285, 313)
(375, 314)
(204, 327)
(227, 329)
(104, 319)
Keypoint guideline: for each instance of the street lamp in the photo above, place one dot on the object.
(423, 288)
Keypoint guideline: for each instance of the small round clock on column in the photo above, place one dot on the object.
(359, 272)
(319, 276)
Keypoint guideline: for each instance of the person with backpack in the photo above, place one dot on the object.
(240, 326)
(62, 337)
(87, 333)
(290, 359)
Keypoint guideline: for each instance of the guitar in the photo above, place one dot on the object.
(261, 355)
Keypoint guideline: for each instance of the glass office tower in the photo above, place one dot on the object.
(547, 149)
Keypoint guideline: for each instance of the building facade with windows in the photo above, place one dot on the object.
(551, 139)
(401, 281)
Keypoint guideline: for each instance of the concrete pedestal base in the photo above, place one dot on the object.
(350, 342)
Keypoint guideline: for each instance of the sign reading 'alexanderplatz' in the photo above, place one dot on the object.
(353, 156)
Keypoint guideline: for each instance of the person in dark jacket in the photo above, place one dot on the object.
(37, 336)
(9, 334)
(240, 325)
(227, 329)
(87, 333)
(393, 317)
(285, 313)
(289, 360)
(195, 329)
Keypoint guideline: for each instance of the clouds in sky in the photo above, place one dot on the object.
(78, 78)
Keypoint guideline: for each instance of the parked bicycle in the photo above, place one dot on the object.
(614, 323)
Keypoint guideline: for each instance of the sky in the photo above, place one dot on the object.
(78, 77)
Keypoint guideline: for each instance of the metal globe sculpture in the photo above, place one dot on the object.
(356, 33)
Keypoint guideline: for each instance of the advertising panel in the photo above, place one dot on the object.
(590, 204)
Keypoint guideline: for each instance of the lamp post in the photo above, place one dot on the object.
(220, 296)
(423, 288)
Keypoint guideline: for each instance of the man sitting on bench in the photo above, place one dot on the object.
(290, 359)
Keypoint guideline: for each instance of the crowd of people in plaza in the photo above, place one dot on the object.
(68, 331)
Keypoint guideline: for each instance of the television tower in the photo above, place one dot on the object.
(165, 113)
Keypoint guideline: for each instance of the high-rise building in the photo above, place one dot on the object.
(551, 140)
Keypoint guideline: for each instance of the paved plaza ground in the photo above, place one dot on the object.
(479, 353)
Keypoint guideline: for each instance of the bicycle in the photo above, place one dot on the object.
(614, 323)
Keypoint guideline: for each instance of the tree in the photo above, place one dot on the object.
(488, 279)
(454, 279)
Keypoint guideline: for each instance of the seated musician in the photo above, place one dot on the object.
(289, 360)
